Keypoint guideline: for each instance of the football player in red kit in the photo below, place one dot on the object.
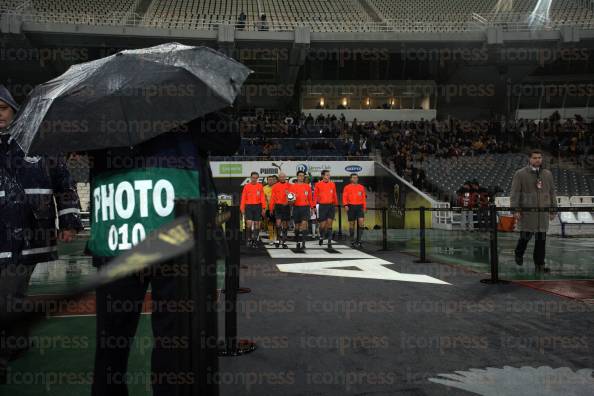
(325, 196)
(253, 207)
(302, 208)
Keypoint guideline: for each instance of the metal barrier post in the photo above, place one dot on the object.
(493, 253)
(240, 241)
(339, 222)
(233, 346)
(422, 244)
(199, 286)
(384, 229)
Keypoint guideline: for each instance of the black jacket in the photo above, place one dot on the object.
(34, 191)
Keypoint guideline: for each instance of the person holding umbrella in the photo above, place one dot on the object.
(29, 186)
(150, 192)
(147, 151)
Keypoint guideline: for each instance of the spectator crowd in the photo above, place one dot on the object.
(404, 143)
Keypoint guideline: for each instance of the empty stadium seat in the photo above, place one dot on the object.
(95, 12)
(330, 15)
(459, 12)
(502, 202)
(566, 217)
(325, 16)
(585, 217)
(448, 175)
(199, 14)
(320, 16)
(577, 201)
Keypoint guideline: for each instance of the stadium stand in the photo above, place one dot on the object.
(293, 148)
(195, 14)
(98, 7)
(111, 12)
(439, 10)
(280, 15)
(10, 4)
(456, 12)
(326, 16)
(497, 170)
(323, 16)
(285, 135)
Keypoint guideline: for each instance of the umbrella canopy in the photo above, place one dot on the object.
(126, 98)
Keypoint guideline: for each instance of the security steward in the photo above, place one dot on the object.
(133, 193)
(28, 234)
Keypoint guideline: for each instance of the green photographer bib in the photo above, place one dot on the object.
(127, 205)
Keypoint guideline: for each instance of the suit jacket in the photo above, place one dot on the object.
(526, 194)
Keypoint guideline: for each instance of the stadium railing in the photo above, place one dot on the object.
(485, 247)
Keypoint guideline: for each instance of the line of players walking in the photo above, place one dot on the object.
(280, 201)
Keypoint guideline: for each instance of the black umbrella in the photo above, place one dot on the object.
(126, 98)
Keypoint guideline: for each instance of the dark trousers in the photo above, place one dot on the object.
(14, 282)
(539, 246)
(483, 219)
(119, 306)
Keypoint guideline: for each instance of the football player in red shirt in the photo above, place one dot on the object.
(253, 207)
(302, 208)
(354, 200)
(279, 206)
(325, 196)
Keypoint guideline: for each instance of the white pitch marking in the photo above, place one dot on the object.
(370, 269)
(315, 251)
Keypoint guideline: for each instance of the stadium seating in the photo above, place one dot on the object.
(85, 11)
(320, 16)
(323, 16)
(572, 218)
(448, 175)
(583, 217)
(332, 15)
(440, 9)
(10, 4)
(197, 14)
(459, 11)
